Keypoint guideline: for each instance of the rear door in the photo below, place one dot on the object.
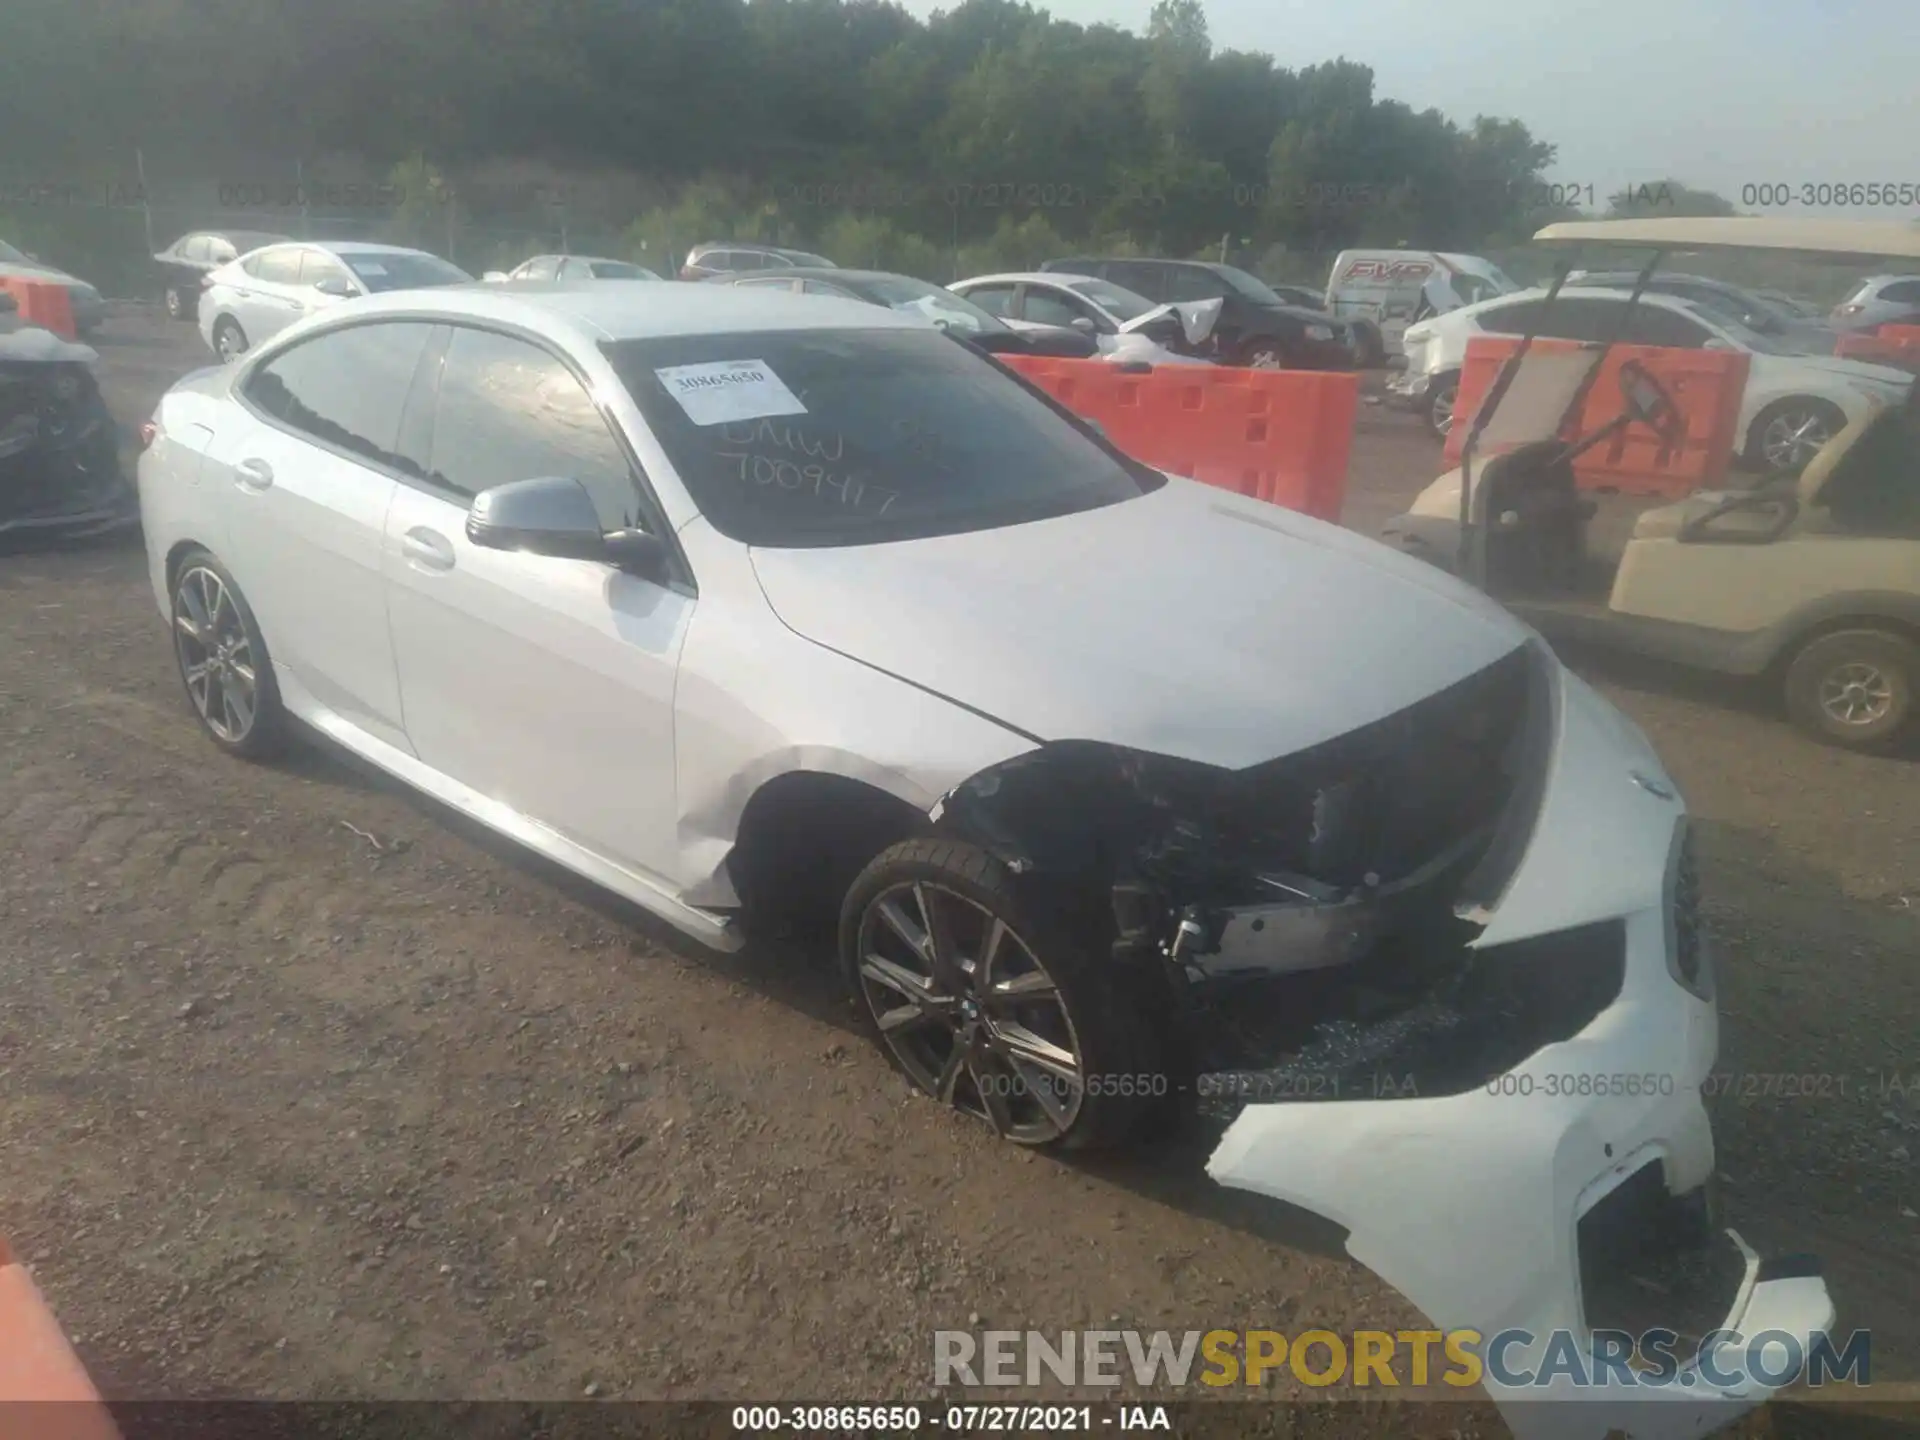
(266, 298)
(305, 475)
(545, 685)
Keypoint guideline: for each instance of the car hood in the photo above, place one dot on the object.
(12, 270)
(1190, 622)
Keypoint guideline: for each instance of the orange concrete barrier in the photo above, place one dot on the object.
(44, 1390)
(1897, 345)
(1282, 436)
(1706, 385)
(43, 303)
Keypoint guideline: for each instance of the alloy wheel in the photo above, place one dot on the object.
(1443, 401)
(175, 305)
(969, 1011)
(226, 340)
(216, 658)
(1856, 694)
(1793, 437)
(1266, 358)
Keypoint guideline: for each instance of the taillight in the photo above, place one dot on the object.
(1849, 309)
(149, 432)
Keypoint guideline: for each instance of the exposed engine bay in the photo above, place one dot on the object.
(1313, 916)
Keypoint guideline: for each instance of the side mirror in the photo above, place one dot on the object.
(336, 287)
(555, 516)
(1084, 325)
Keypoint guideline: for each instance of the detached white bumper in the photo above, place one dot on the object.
(1470, 1204)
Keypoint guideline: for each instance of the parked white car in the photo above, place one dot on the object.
(1793, 403)
(749, 605)
(252, 298)
(572, 267)
(1111, 314)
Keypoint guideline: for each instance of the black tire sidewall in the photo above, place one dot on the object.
(1110, 1012)
(1893, 654)
(268, 734)
(225, 324)
(1441, 386)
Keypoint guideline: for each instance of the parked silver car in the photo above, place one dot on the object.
(573, 267)
(262, 293)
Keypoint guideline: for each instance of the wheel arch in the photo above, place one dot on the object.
(1868, 610)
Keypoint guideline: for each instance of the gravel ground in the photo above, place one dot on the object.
(308, 1089)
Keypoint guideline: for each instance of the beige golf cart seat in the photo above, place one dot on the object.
(1754, 525)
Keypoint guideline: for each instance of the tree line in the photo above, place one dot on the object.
(990, 128)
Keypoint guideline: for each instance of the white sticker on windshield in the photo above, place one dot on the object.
(725, 390)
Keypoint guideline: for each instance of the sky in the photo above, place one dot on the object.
(1719, 94)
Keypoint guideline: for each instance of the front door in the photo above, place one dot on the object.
(545, 685)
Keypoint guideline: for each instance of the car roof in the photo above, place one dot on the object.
(1034, 277)
(602, 312)
(1580, 292)
(1800, 234)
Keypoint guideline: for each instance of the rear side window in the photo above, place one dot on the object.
(541, 267)
(1509, 319)
(1186, 283)
(1904, 292)
(317, 265)
(345, 388)
(510, 410)
(994, 299)
(277, 267)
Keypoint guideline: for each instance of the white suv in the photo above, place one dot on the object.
(1879, 300)
(1793, 403)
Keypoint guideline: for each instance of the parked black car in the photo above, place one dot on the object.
(59, 451)
(952, 312)
(191, 257)
(1257, 328)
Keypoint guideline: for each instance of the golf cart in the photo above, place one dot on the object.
(1811, 583)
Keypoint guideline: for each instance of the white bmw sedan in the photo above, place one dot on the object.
(1123, 795)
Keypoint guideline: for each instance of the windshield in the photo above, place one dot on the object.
(1117, 301)
(391, 270)
(849, 437)
(620, 270)
(1251, 286)
(943, 307)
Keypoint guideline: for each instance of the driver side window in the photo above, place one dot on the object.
(1050, 307)
(509, 410)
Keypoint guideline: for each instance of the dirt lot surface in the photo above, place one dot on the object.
(307, 1089)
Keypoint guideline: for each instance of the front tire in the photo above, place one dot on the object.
(223, 661)
(1854, 687)
(1440, 402)
(990, 1008)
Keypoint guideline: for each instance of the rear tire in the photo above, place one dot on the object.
(1789, 433)
(995, 1010)
(223, 661)
(229, 340)
(1263, 353)
(1854, 688)
(179, 307)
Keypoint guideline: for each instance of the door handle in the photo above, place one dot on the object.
(427, 548)
(254, 475)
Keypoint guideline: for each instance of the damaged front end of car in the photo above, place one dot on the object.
(60, 472)
(1440, 980)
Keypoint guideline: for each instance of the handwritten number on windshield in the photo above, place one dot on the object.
(815, 480)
